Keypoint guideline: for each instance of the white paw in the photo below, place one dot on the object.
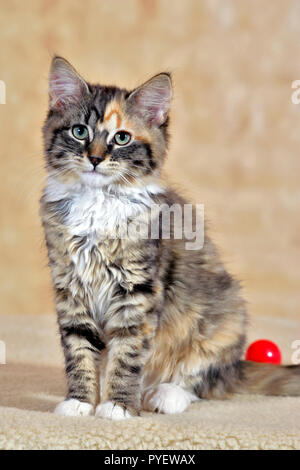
(167, 398)
(73, 407)
(110, 410)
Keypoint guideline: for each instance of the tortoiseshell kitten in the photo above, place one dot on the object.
(145, 323)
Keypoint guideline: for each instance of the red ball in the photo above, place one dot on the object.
(263, 350)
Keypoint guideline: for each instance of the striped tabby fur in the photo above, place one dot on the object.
(144, 323)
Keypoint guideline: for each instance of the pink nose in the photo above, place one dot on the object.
(95, 160)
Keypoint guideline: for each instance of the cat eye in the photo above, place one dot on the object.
(80, 132)
(122, 138)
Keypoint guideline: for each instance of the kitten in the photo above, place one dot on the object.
(145, 323)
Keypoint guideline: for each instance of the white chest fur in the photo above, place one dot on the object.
(100, 211)
(100, 215)
(94, 215)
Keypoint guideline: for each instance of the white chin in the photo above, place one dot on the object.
(96, 179)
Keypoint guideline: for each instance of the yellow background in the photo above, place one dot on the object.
(235, 133)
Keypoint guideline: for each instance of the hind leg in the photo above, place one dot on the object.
(167, 398)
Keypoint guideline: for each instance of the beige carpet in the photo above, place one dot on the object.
(32, 383)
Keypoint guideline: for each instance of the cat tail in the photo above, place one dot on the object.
(269, 379)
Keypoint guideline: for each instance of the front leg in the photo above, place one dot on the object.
(128, 350)
(82, 346)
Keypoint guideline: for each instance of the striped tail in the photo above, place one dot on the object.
(269, 379)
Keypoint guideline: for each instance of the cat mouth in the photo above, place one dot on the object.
(95, 177)
(96, 173)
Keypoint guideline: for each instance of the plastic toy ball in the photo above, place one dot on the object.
(263, 350)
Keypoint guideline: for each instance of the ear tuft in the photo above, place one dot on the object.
(66, 86)
(151, 101)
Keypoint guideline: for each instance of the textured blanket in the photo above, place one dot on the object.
(32, 383)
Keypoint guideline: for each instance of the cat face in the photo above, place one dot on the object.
(101, 135)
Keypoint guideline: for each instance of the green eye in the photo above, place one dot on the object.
(80, 132)
(122, 138)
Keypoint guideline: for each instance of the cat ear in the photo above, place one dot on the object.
(151, 101)
(65, 85)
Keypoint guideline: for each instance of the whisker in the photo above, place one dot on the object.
(131, 175)
(124, 178)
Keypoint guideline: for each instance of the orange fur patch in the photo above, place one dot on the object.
(117, 117)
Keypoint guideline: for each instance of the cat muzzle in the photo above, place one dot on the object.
(95, 160)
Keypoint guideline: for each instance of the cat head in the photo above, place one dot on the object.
(103, 135)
